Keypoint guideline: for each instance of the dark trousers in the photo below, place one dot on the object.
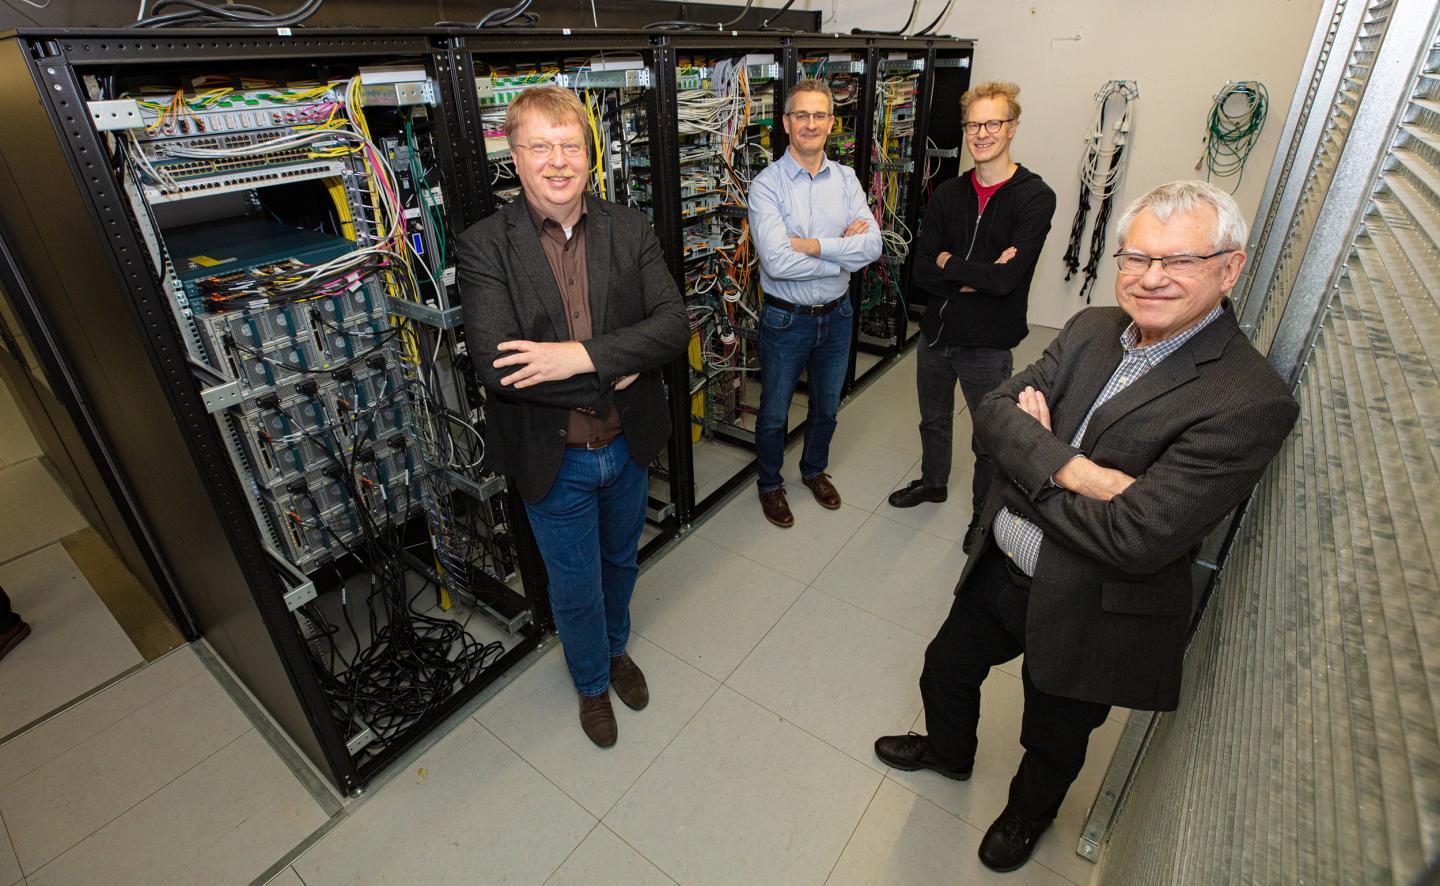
(986, 627)
(7, 615)
(979, 371)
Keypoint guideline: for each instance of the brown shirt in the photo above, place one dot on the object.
(567, 264)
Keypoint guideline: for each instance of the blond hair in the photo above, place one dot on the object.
(809, 86)
(558, 106)
(993, 89)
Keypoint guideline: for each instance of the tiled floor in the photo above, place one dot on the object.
(774, 658)
(75, 643)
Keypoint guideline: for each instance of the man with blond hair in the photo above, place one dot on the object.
(570, 312)
(974, 259)
(812, 229)
(1130, 439)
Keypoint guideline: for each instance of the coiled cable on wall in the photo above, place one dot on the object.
(1237, 115)
(1101, 171)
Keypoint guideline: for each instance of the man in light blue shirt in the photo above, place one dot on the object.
(811, 228)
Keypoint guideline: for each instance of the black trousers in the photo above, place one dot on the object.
(7, 615)
(979, 371)
(986, 627)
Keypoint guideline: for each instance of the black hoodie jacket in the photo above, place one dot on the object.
(993, 316)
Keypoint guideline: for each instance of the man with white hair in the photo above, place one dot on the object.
(1117, 452)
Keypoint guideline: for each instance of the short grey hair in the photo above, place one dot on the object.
(809, 85)
(1187, 196)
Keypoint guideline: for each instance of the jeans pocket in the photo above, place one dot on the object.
(777, 319)
(845, 309)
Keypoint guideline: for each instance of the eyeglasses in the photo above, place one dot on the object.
(1133, 264)
(541, 150)
(804, 117)
(991, 126)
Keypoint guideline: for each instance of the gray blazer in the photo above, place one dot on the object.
(1110, 605)
(508, 292)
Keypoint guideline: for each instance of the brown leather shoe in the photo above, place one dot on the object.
(629, 682)
(597, 718)
(776, 508)
(825, 491)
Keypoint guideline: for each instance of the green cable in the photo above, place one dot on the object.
(1231, 136)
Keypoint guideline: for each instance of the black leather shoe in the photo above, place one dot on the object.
(915, 493)
(911, 752)
(1010, 840)
(972, 535)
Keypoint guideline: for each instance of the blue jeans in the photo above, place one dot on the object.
(790, 343)
(588, 528)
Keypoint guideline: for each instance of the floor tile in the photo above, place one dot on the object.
(838, 672)
(708, 606)
(979, 800)
(901, 575)
(903, 839)
(862, 472)
(9, 864)
(892, 422)
(28, 751)
(68, 798)
(537, 717)
(468, 811)
(948, 519)
(715, 463)
(287, 877)
(17, 444)
(800, 551)
(605, 858)
(68, 623)
(224, 821)
(741, 796)
(33, 510)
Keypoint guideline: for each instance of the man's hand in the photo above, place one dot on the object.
(626, 380)
(857, 227)
(806, 246)
(941, 259)
(543, 361)
(1005, 256)
(1083, 477)
(1033, 402)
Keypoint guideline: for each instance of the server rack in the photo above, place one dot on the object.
(113, 326)
(259, 548)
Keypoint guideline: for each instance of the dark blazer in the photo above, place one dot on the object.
(508, 292)
(1110, 604)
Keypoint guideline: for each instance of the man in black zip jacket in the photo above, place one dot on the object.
(979, 242)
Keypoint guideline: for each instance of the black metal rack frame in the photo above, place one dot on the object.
(104, 325)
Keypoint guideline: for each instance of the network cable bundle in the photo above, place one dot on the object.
(882, 297)
(296, 222)
(727, 115)
(1237, 116)
(1102, 168)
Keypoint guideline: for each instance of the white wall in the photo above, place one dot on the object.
(1181, 54)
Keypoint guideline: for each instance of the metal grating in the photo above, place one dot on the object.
(1322, 169)
(1306, 748)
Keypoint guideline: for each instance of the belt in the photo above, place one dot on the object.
(805, 310)
(591, 445)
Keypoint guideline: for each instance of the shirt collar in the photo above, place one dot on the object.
(539, 218)
(793, 169)
(1162, 349)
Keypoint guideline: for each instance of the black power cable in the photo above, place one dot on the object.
(682, 25)
(765, 24)
(517, 15)
(938, 19)
(199, 14)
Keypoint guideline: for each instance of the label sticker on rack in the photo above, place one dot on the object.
(565, 31)
(283, 32)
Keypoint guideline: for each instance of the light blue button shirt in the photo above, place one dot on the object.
(787, 201)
